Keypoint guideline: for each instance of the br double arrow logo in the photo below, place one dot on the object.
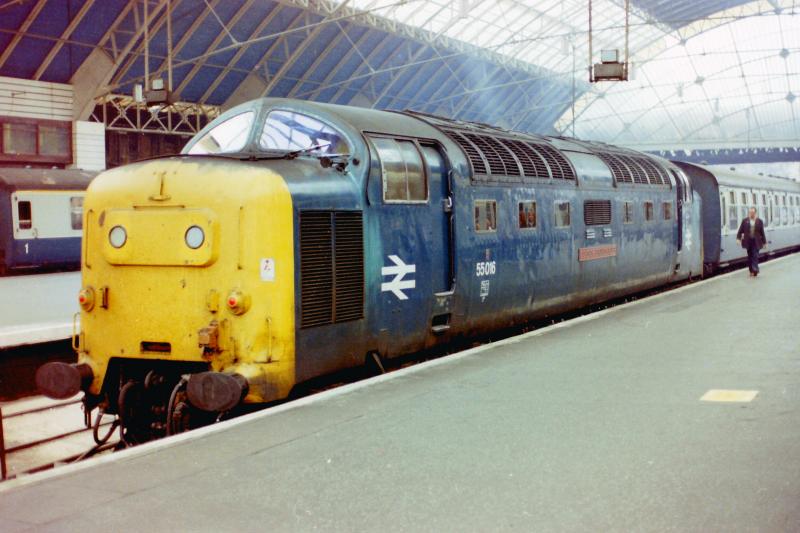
(399, 270)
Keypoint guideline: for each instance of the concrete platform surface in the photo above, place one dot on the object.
(593, 425)
(38, 307)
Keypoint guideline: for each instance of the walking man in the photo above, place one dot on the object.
(751, 237)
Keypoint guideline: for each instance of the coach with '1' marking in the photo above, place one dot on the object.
(292, 239)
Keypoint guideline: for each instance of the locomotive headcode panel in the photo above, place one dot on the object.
(292, 239)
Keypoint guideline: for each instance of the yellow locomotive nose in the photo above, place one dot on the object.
(164, 241)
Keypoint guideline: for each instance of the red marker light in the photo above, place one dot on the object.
(237, 302)
(86, 298)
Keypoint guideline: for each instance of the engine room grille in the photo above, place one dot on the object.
(503, 160)
(331, 267)
(634, 169)
(597, 212)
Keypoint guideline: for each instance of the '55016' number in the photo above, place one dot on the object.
(486, 268)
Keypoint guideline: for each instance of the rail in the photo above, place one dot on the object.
(5, 452)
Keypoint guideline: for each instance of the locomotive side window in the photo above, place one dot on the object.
(24, 215)
(404, 178)
(287, 130)
(723, 212)
(527, 215)
(485, 216)
(667, 210)
(627, 213)
(230, 136)
(76, 212)
(648, 211)
(562, 215)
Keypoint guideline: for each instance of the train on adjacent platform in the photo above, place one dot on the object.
(41, 217)
(292, 239)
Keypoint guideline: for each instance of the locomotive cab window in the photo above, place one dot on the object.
(562, 219)
(287, 130)
(24, 217)
(404, 178)
(667, 210)
(527, 215)
(485, 216)
(627, 213)
(648, 211)
(229, 136)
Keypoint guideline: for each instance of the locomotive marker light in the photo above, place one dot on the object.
(399, 271)
(117, 236)
(238, 302)
(195, 237)
(86, 298)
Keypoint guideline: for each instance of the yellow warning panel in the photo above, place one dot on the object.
(722, 395)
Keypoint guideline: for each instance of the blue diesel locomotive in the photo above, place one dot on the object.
(332, 234)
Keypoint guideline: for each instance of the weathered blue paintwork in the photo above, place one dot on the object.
(536, 272)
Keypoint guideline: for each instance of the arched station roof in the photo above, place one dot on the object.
(716, 71)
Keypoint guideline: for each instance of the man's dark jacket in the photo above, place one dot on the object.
(758, 236)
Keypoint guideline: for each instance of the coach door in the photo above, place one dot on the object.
(410, 190)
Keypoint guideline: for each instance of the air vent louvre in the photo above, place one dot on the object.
(655, 173)
(349, 266)
(533, 165)
(619, 170)
(597, 212)
(496, 165)
(559, 166)
(637, 171)
(331, 267)
(504, 160)
(316, 268)
(473, 153)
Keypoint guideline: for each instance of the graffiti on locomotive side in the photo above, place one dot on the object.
(485, 268)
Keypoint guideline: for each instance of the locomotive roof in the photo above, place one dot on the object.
(45, 179)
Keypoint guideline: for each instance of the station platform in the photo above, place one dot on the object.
(676, 412)
(37, 308)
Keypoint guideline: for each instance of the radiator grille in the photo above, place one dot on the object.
(597, 212)
(634, 169)
(503, 160)
(331, 267)
(349, 266)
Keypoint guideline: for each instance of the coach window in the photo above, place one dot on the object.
(25, 220)
(288, 130)
(527, 215)
(733, 213)
(562, 214)
(404, 178)
(667, 210)
(485, 216)
(76, 212)
(648, 211)
(627, 213)
(229, 136)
